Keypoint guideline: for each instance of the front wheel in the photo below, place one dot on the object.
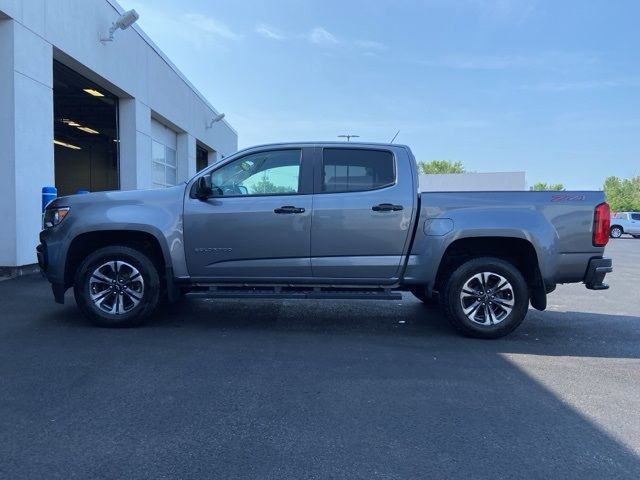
(117, 286)
(616, 232)
(486, 298)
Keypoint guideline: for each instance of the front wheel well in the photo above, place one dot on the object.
(85, 243)
(616, 225)
(516, 251)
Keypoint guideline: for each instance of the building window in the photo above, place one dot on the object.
(202, 158)
(163, 165)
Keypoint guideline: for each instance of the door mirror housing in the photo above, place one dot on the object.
(203, 188)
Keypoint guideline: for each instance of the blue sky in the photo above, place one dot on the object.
(549, 87)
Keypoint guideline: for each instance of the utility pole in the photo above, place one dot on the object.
(348, 137)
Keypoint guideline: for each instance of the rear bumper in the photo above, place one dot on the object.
(596, 271)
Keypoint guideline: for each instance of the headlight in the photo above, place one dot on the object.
(53, 216)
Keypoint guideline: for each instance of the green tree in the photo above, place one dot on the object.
(623, 194)
(441, 166)
(542, 187)
(267, 186)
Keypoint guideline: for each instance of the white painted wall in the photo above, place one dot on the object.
(32, 34)
(26, 139)
(468, 182)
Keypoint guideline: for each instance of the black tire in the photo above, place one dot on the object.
(517, 294)
(616, 231)
(139, 293)
(421, 295)
(636, 236)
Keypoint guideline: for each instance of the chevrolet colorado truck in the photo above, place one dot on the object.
(323, 220)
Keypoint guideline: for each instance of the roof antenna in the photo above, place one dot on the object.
(394, 137)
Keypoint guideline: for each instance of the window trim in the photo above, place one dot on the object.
(319, 178)
(304, 179)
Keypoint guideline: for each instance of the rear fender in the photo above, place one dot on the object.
(525, 224)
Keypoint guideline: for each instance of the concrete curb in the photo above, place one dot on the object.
(7, 273)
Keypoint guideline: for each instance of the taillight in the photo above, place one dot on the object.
(601, 225)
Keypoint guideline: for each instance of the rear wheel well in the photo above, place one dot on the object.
(616, 225)
(84, 244)
(516, 251)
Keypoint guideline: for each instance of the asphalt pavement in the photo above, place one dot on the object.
(322, 389)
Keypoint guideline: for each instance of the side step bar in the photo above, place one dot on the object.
(295, 292)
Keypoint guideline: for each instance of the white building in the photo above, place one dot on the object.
(82, 114)
(469, 182)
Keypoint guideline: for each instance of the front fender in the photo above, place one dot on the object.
(157, 213)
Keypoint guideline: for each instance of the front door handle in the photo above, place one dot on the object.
(386, 207)
(289, 209)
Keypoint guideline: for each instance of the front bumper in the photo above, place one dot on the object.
(596, 271)
(41, 252)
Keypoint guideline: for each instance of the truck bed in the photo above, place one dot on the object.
(554, 223)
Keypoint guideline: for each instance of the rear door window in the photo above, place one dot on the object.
(635, 216)
(354, 170)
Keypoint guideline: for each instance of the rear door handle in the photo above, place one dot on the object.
(289, 209)
(386, 207)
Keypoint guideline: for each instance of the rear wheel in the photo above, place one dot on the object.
(486, 298)
(636, 236)
(616, 231)
(117, 286)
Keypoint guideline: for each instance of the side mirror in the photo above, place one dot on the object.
(203, 188)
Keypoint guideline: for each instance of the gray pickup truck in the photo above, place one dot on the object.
(323, 220)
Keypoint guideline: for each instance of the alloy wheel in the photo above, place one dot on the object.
(116, 287)
(487, 298)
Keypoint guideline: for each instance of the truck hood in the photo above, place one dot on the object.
(131, 197)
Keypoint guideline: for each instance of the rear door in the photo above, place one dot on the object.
(257, 224)
(363, 207)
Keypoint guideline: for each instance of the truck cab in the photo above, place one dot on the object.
(303, 215)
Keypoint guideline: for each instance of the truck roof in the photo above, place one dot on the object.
(332, 143)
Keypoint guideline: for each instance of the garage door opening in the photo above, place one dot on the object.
(85, 129)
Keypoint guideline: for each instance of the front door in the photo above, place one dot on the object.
(257, 222)
(362, 213)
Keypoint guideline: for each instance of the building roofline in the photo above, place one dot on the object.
(118, 8)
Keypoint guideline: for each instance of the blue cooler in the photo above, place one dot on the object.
(49, 194)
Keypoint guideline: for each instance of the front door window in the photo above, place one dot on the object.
(275, 172)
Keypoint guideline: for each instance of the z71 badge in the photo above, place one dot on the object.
(567, 197)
